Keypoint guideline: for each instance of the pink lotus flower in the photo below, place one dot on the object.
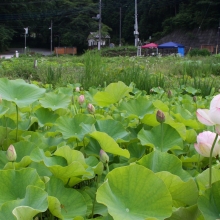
(211, 116)
(11, 153)
(81, 99)
(204, 144)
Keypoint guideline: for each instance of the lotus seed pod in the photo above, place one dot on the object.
(11, 153)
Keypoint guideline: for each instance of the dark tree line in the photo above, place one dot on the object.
(72, 20)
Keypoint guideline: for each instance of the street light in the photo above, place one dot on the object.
(51, 39)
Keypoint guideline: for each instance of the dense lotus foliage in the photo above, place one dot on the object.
(103, 154)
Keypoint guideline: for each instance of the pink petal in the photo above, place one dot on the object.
(215, 103)
(203, 117)
(214, 115)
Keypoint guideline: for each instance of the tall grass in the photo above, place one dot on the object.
(93, 70)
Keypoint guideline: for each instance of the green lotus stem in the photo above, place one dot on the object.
(97, 185)
(6, 128)
(198, 167)
(210, 161)
(107, 168)
(17, 123)
(161, 140)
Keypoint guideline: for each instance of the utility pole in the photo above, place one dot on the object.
(120, 29)
(100, 23)
(136, 33)
(51, 38)
(25, 33)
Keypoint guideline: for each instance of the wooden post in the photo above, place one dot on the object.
(35, 63)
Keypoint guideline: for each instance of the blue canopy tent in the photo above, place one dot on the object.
(171, 45)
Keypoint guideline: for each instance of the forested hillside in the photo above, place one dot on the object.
(72, 20)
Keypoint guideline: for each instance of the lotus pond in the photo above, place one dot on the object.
(103, 154)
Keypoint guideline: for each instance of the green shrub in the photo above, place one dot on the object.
(199, 52)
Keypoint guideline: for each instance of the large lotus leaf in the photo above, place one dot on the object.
(88, 200)
(160, 105)
(108, 144)
(112, 94)
(113, 128)
(3, 110)
(74, 127)
(13, 184)
(35, 201)
(182, 213)
(3, 159)
(159, 161)
(179, 127)
(65, 203)
(137, 107)
(41, 169)
(23, 150)
(183, 193)
(70, 155)
(59, 168)
(92, 148)
(65, 90)
(150, 119)
(136, 150)
(45, 117)
(55, 101)
(38, 155)
(152, 138)
(209, 202)
(134, 192)
(203, 178)
(20, 92)
(95, 164)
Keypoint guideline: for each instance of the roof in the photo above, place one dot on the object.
(170, 45)
(150, 45)
(95, 35)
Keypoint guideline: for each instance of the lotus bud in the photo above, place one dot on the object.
(160, 116)
(103, 156)
(194, 98)
(81, 99)
(169, 94)
(91, 108)
(0, 99)
(77, 89)
(11, 153)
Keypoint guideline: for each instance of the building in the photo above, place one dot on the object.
(93, 39)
